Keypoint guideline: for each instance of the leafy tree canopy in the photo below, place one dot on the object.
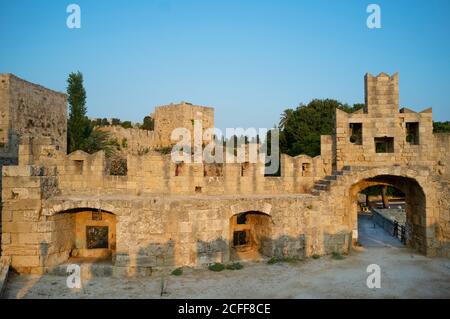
(300, 128)
(441, 127)
(149, 124)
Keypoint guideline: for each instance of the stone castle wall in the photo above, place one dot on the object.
(167, 214)
(30, 109)
(153, 173)
(441, 149)
(133, 140)
(172, 116)
(166, 119)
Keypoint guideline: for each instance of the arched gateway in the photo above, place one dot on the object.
(426, 213)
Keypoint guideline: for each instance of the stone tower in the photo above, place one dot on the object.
(381, 94)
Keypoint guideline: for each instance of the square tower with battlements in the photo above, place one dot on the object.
(381, 133)
(381, 94)
(181, 115)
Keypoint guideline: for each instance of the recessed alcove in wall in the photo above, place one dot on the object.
(250, 236)
(85, 233)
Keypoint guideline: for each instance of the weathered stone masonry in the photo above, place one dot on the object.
(27, 109)
(165, 215)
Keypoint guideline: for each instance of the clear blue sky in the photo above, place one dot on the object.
(248, 59)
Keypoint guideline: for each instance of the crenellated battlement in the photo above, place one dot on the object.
(381, 94)
(155, 173)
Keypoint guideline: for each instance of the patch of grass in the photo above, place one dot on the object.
(216, 267)
(177, 272)
(315, 256)
(337, 255)
(275, 260)
(234, 266)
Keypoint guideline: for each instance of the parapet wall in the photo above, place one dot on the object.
(133, 140)
(442, 152)
(154, 173)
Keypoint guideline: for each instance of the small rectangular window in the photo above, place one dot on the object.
(356, 133)
(240, 238)
(97, 237)
(384, 144)
(241, 219)
(412, 133)
(118, 167)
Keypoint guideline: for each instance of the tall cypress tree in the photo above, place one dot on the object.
(79, 126)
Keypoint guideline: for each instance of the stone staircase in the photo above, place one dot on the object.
(323, 185)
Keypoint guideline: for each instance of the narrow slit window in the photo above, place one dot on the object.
(245, 167)
(179, 169)
(306, 169)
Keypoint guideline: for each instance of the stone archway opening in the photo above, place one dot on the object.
(413, 203)
(250, 236)
(381, 217)
(85, 234)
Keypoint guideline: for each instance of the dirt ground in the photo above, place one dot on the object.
(404, 274)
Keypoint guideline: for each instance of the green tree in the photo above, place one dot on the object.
(97, 122)
(99, 140)
(441, 127)
(126, 124)
(149, 124)
(79, 126)
(82, 134)
(115, 121)
(300, 128)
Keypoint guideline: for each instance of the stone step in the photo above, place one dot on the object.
(331, 177)
(322, 187)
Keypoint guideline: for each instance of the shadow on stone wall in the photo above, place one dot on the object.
(169, 255)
